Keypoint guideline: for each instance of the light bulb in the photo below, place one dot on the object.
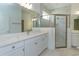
(77, 12)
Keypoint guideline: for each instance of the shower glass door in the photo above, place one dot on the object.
(60, 31)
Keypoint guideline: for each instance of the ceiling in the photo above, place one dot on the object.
(51, 6)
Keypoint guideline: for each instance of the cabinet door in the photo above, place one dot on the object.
(16, 52)
(45, 41)
(11, 53)
(27, 47)
(75, 39)
(34, 47)
(31, 48)
(20, 51)
(42, 43)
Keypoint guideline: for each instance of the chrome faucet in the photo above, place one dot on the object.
(28, 31)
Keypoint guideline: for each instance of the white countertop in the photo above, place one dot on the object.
(13, 38)
(75, 31)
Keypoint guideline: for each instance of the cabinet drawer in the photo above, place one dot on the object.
(19, 44)
(75, 36)
(36, 45)
(16, 52)
(32, 46)
(6, 49)
(75, 39)
(11, 47)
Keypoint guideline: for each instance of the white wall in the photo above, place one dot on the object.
(51, 40)
(27, 17)
(36, 7)
(69, 40)
(51, 18)
(74, 9)
(62, 10)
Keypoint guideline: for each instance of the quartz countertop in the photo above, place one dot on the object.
(75, 31)
(16, 37)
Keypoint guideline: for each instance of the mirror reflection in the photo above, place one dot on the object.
(16, 17)
(10, 18)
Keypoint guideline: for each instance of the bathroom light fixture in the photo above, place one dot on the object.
(26, 5)
(34, 19)
(45, 15)
(13, 1)
(77, 12)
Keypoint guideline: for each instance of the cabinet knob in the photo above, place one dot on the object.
(13, 46)
(23, 49)
(36, 43)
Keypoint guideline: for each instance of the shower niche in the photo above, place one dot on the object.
(76, 24)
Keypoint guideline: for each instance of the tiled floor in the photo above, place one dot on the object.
(61, 52)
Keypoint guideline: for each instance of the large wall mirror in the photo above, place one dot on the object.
(15, 18)
(10, 18)
(45, 20)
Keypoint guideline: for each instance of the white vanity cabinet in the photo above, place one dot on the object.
(75, 39)
(20, 51)
(31, 47)
(34, 46)
(16, 49)
(15, 52)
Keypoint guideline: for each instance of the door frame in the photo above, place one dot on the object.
(55, 29)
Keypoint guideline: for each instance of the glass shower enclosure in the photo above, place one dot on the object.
(60, 23)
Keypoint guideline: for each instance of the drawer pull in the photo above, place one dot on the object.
(13, 47)
(36, 43)
(23, 49)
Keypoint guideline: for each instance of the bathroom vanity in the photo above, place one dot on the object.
(75, 38)
(21, 44)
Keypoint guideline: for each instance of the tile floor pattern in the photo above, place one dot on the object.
(61, 52)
